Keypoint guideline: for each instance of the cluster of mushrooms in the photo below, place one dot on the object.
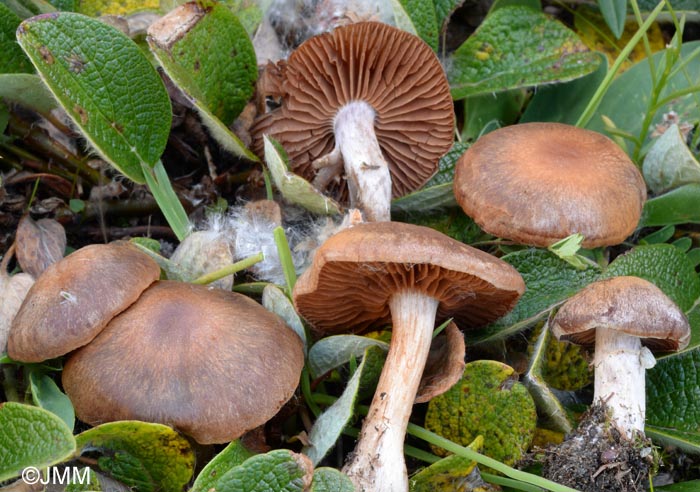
(364, 113)
(140, 348)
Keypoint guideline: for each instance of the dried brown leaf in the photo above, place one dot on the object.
(39, 244)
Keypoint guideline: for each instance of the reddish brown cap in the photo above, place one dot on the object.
(356, 271)
(537, 183)
(73, 300)
(211, 363)
(394, 72)
(627, 304)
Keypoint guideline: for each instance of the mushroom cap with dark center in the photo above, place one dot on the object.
(73, 300)
(629, 305)
(211, 363)
(356, 271)
(537, 183)
(394, 72)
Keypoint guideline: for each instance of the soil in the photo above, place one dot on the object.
(597, 458)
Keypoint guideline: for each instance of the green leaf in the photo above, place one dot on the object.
(485, 113)
(86, 481)
(446, 165)
(435, 197)
(12, 59)
(209, 56)
(679, 206)
(330, 480)
(443, 12)
(280, 470)
(4, 118)
(548, 405)
(27, 90)
(549, 280)
(614, 12)
(450, 473)
(232, 455)
(669, 163)
(334, 351)
(96, 8)
(517, 47)
(626, 100)
(275, 301)
(673, 401)
(564, 103)
(293, 187)
(31, 436)
(679, 6)
(567, 250)
(663, 265)
(329, 425)
(424, 19)
(170, 206)
(105, 84)
(691, 486)
(153, 455)
(48, 396)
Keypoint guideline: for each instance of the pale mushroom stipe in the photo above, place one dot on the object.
(366, 114)
(409, 276)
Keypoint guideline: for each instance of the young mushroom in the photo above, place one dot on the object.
(75, 298)
(409, 276)
(367, 101)
(624, 317)
(537, 183)
(211, 363)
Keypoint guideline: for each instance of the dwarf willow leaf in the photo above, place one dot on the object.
(152, 455)
(12, 60)
(208, 54)
(105, 84)
(31, 436)
(517, 47)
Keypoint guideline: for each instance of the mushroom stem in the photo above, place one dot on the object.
(367, 172)
(620, 365)
(377, 463)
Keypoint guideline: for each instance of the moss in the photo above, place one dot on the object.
(487, 401)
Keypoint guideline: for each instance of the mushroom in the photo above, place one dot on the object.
(367, 100)
(624, 317)
(537, 183)
(211, 363)
(73, 300)
(378, 273)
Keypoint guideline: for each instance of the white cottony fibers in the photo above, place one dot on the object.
(366, 170)
(254, 234)
(378, 464)
(620, 365)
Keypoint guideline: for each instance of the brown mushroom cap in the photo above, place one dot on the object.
(211, 363)
(394, 72)
(356, 271)
(627, 304)
(73, 300)
(537, 183)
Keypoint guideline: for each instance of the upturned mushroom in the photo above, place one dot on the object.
(537, 183)
(211, 363)
(75, 298)
(366, 111)
(374, 274)
(624, 317)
